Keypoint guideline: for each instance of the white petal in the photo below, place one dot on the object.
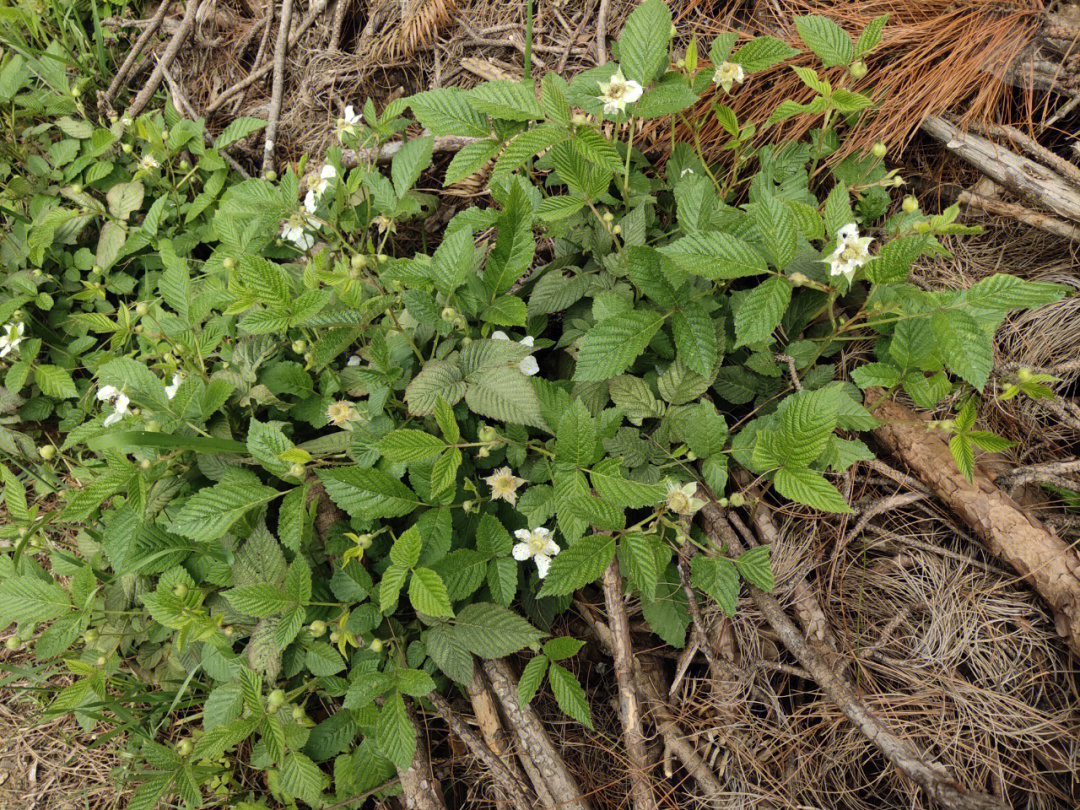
(5, 349)
(122, 403)
(543, 563)
(499, 334)
(523, 534)
(328, 172)
(540, 531)
(112, 419)
(849, 231)
(528, 340)
(529, 366)
(633, 92)
(521, 551)
(107, 392)
(552, 548)
(354, 361)
(305, 241)
(311, 202)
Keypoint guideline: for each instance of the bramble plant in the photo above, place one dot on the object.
(302, 469)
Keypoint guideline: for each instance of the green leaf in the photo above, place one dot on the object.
(553, 209)
(453, 261)
(894, 261)
(762, 53)
(695, 338)
(505, 394)
(367, 493)
(492, 631)
(803, 485)
(300, 777)
(508, 310)
(322, 660)
(715, 255)
(212, 511)
(578, 565)
(968, 350)
(515, 245)
(444, 471)
(559, 649)
(761, 310)
(258, 600)
(885, 375)
(125, 198)
(597, 149)
(298, 581)
(449, 653)
(406, 549)
(755, 567)
(448, 112)
(643, 43)
(427, 592)
(612, 485)
(393, 580)
(652, 272)
(437, 379)
(363, 691)
(638, 562)
(266, 443)
(636, 399)
(501, 98)
(27, 599)
(553, 89)
(531, 678)
(718, 578)
(167, 441)
(55, 382)
(807, 422)
(777, 228)
(825, 38)
(838, 211)
(526, 146)
(237, 130)
(870, 36)
(414, 682)
(409, 161)
(569, 694)
(406, 446)
(989, 442)
(963, 452)
(612, 345)
(471, 159)
(666, 97)
(705, 431)
(577, 442)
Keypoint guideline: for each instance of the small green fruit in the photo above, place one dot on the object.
(12, 643)
(127, 148)
(1024, 375)
(180, 589)
(878, 150)
(358, 262)
(298, 713)
(334, 637)
(91, 636)
(299, 346)
(383, 258)
(737, 499)
(483, 452)
(228, 262)
(145, 464)
(296, 470)
(467, 506)
(376, 645)
(101, 661)
(183, 165)
(47, 451)
(858, 69)
(317, 628)
(487, 433)
(185, 748)
(448, 314)
(276, 699)
(616, 229)
(76, 188)
(96, 269)
(142, 309)
(271, 176)
(608, 216)
(911, 205)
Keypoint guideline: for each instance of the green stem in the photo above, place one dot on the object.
(629, 152)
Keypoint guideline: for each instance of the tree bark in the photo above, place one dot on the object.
(418, 784)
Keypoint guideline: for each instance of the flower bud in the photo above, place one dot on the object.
(483, 452)
(737, 499)
(180, 589)
(878, 150)
(317, 628)
(1024, 375)
(579, 119)
(185, 748)
(358, 262)
(145, 464)
(922, 227)
(448, 314)
(799, 280)
(296, 470)
(487, 433)
(680, 63)
(898, 181)
(127, 148)
(616, 229)
(12, 643)
(271, 176)
(298, 713)
(95, 270)
(383, 258)
(911, 205)
(183, 165)
(334, 637)
(672, 30)
(858, 69)
(91, 635)
(101, 660)
(228, 262)
(467, 506)
(299, 346)
(47, 451)
(376, 645)
(142, 309)
(276, 699)
(608, 216)
(76, 188)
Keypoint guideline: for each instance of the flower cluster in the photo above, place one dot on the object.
(850, 254)
(528, 365)
(617, 92)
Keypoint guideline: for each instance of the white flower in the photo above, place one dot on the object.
(528, 365)
(504, 484)
(851, 252)
(536, 543)
(727, 74)
(350, 116)
(311, 202)
(118, 401)
(148, 163)
(12, 337)
(681, 500)
(341, 414)
(170, 390)
(617, 92)
(384, 224)
(685, 172)
(295, 230)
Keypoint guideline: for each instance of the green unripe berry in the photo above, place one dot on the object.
(185, 748)
(271, 176)
(47, 451)
(487, 433)
(317, 628)
(36, 272)
(922, 227)
(858, 69)
(1024, 375)
(358, 262)
(878, 150)
(616, 229)
(364, 541)
(96, 270)
(142, 309)
(127, 148)
(691, 456)
(298, 713)
(383, 258)
(76, 188)
(299, 346)
(467, 506)
(91, 636)
(101, 661)
(608, 216)
(228, 262)
(910, 205)
(12, 643)
(737, 499)
(376, 645)
(276, 699)
(334, 637)
(180, 589)
(483, 452)
(183, 165)
(579, 119)
(448, 314)
(296, 470)
(724, 502)
(165, 134)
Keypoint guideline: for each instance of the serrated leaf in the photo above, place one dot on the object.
(577, 442)
(825, 38)
(806, 423)
(531, 678)
(322, 660)
(212, 511)
(27, 599)
(368, 493)
(258, 600)
(777, 227)
(695, 338)
(237, 130)
(125, 198)
(967, 348)
(761, 310)
(636, 399)
(754, 566)
(884, 375)
(505, 394)
(715, 255)
(805, 486)
(612, 345)
(612, 485)
(447, 111)
(437, 379)
(718, 578)
(390, 586)
(449, 653)
(414, 682)
(578, 565)
(55, 382)
(643, 43)
(762, 53)
(471, 159)
(870, 36)
(838, 211)
(427, 593)
(526, 146)
(493, 631)
(569, 694)
(409, 161)
(553, 209)
(501, 98)
(507, 310)
(406, 445)
(300, 777)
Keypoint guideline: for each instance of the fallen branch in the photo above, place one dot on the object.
(933, 778)
(1033, 148)
(629, 710)
(277, 87)
(1048, 564)
(533, 739)
(1024, 176)
(1035, 219)
(1051, 472)
(183, 106)
(506, 780)
(494, 735)
(105, 101)
(419, 785)
(384, 154)
(146, 93)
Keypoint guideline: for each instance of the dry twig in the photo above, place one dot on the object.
(105, 101)
(152, 84)
(277, 86)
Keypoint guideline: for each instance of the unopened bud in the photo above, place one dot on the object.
(317, 628)
(383, 258)
(878, 150)
(271, 176)
(145, 464)
(228, 262)
(299, 346)
(358, 262)
(737, 499)
(127, 148)
(608, 216)
(911, 205)
(376, 645)
(296, 470)
(142, 309)
(483, 452)
(487, 433)
(334, 637)
(467, 506)
(857, 69)
(448, 314)
(799, 280)
(47, 451)
(183, 165)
